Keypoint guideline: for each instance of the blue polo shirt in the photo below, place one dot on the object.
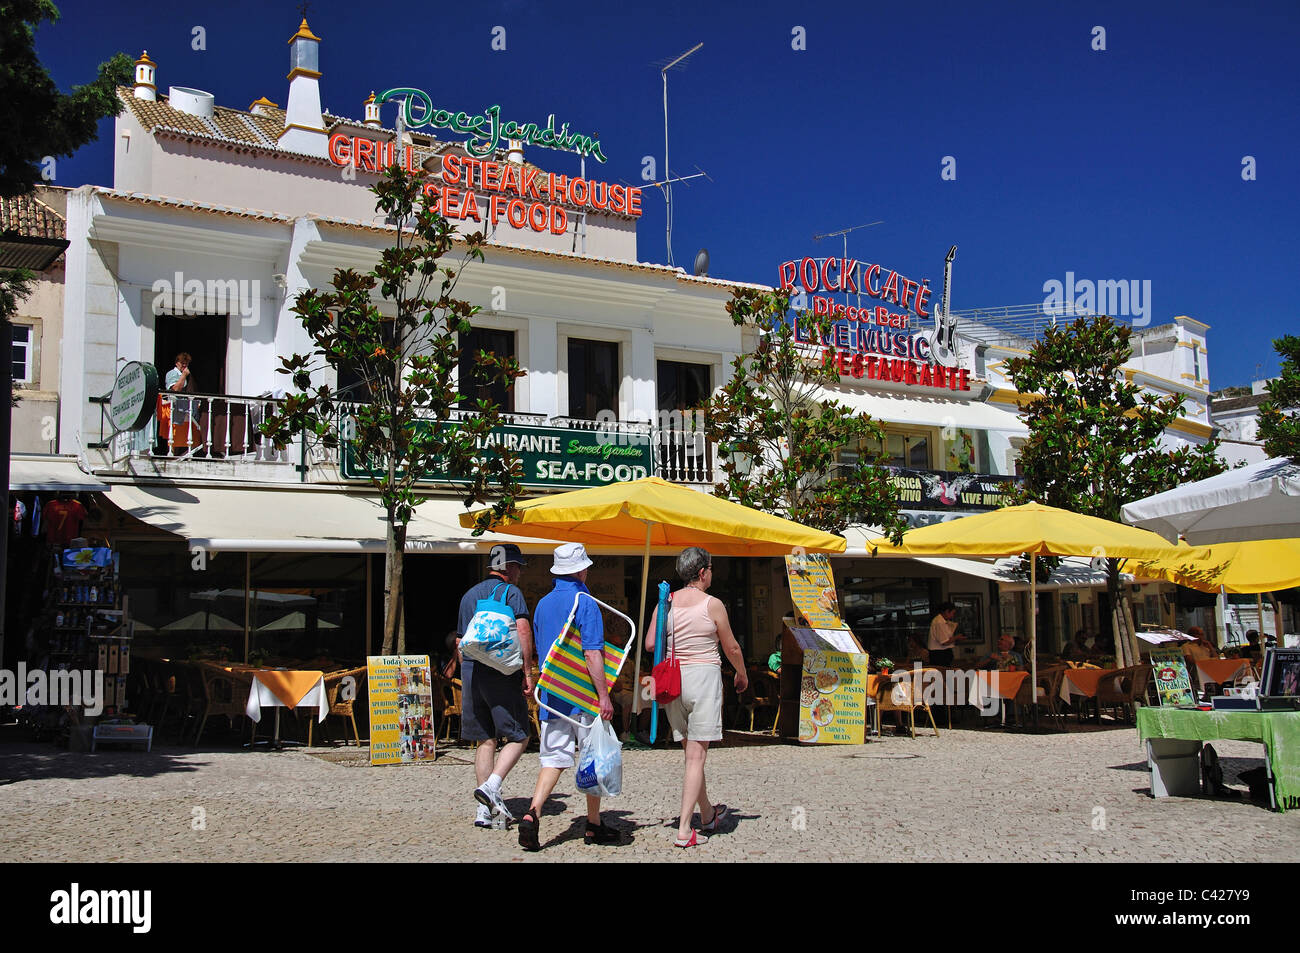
(548, 622)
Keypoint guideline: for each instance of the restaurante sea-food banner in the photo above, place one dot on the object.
(550, 457)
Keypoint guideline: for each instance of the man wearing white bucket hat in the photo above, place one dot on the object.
(560, 739)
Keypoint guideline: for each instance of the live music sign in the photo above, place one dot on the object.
(874, 342)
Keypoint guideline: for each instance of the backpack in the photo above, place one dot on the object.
(492, 636)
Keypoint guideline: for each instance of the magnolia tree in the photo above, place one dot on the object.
(410, 420)
(1279, 415)
(781, 442)
(1095, 437)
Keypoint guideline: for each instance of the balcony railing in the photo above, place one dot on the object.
(224, 427)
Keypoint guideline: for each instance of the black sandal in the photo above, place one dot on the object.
(600, 834)
(528, 831)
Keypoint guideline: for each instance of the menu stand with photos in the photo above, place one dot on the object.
(824, 698)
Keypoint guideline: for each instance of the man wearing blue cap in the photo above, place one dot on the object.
(494, 705)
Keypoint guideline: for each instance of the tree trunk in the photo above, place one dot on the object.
(394, 597)
(1118, 635)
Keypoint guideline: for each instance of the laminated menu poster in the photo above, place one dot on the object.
(833, 698)
(812, 587)
(401, 709)
(1173, 683)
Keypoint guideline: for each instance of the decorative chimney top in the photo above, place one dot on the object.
(304, 124)
(516, 151)
(304, 53)
(262, 107)
(372, 111)
(145, 73)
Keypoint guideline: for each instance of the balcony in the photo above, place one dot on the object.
(216, 436)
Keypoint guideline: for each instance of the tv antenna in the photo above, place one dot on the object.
(844, 233)
(666, 185)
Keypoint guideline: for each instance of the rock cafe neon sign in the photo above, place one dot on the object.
(873, 341)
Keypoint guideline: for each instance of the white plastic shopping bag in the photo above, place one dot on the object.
(600, 763)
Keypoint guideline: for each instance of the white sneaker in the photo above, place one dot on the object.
(492, 800)
(483, 818)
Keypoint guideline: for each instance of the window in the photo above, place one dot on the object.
(1196, 363)
(682, 386)
(22, 354)
(594, 376)
(908, 450)
(477, 384)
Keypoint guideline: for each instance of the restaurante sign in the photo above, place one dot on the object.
(552, 457)
(135, 392)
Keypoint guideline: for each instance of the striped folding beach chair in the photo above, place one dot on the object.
(564, 670)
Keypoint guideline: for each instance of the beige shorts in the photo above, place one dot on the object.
(696, 714)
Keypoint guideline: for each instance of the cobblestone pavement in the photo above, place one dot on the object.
(966, 796)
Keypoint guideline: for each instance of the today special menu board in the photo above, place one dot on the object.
(401, 709)
(833, 698)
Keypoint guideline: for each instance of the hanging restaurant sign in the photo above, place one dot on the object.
(549, 457)
(135, 393)
(874, 341)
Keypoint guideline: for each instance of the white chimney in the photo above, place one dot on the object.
(145, 72)
(262, 107)
(193, 102)
(304, 126)
(372, 111)
(516, 153)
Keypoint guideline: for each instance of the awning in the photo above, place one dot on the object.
(297, 519)
(929, 411)
(52, 474)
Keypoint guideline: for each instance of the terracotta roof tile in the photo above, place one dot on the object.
(28, 216)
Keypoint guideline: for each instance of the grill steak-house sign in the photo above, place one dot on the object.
(476, 188)
(873, 341)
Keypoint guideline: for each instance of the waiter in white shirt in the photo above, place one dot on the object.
(943, 635)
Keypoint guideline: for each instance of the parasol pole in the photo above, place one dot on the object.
(1033, 633)
(1259, 607)
(645, 580)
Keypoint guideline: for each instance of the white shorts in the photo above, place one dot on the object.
(560, 740)
(696, 714)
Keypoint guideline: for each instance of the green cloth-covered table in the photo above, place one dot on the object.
(1278, 731)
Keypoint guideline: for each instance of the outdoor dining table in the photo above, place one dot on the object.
(1220, 670)
(286, 689)
(1084, 683)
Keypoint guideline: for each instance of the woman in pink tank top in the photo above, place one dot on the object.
(697, 625)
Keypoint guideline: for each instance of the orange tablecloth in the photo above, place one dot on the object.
(1002, 684)
(1084, 681)
(288, 689)
(1220, 670)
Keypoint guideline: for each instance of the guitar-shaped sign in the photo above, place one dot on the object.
(943, 340)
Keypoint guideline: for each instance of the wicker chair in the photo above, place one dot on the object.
(905, 694)
(1124, 690)
(223, 694)
(1048, 695)
(343, 707)
(764, 692)
(451, 690)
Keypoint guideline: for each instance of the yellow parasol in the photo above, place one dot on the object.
(1258, 566)
(1030, 528)
(654, 512)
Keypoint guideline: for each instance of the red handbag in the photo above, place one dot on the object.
(667, 674)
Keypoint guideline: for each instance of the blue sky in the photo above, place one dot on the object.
(1123, 163)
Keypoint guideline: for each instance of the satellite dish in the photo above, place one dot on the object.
(702, 263)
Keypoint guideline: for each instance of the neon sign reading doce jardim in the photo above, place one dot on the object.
(488, 129)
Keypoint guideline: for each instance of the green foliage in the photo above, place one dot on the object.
(408, 357)
(37, 119)
(1280, 430)
(1094, 436)
(779, 444)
